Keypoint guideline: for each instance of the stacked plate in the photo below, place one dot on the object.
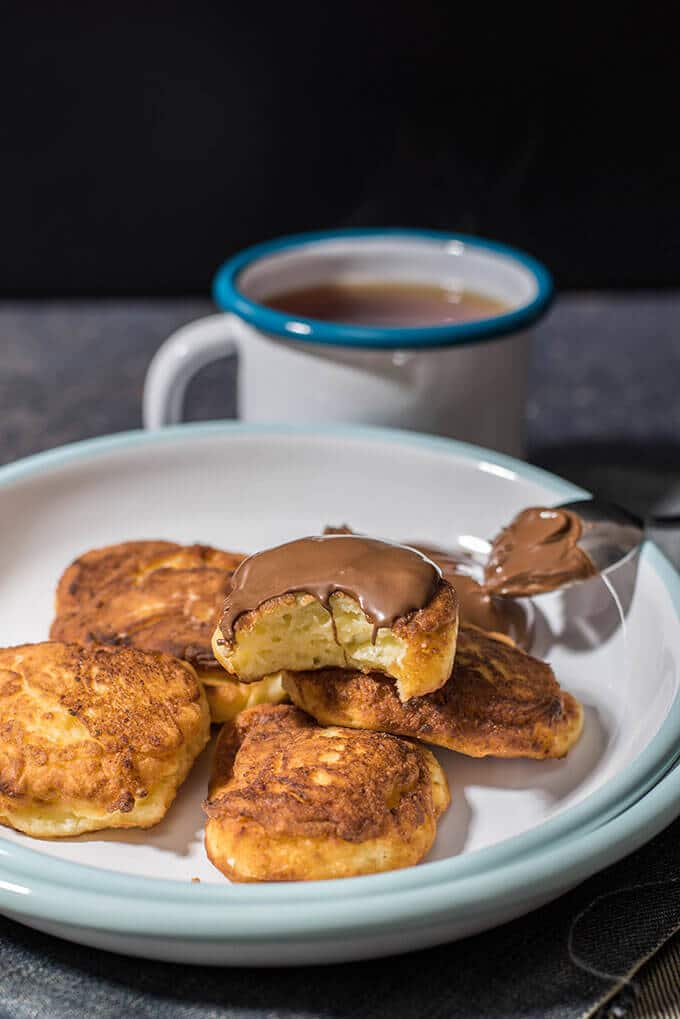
(518, 833)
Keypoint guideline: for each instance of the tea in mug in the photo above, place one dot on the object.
(386, 303)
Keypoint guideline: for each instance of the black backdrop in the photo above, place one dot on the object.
(142, 143)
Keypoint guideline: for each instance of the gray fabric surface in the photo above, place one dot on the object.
(603, 410)
(657, 996)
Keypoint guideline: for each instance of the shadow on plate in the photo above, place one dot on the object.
(554, 781)
(590, 612)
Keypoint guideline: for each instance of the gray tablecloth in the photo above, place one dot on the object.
(604, 411)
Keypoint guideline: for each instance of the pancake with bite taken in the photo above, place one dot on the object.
(340, 601)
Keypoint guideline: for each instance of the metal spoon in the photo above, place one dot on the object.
(611, 533)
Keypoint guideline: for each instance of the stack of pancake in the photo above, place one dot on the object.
(153, 640)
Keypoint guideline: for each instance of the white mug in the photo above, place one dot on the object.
(465, 380)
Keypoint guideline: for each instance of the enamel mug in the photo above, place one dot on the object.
(465, 380)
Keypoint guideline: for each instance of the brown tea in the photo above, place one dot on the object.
(386, 303)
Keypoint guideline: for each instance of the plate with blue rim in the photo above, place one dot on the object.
(517, 833)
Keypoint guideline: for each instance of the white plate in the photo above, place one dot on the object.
(614, 643)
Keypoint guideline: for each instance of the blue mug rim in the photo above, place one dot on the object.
(228, 297)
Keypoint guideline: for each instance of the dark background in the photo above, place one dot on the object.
(143, 143)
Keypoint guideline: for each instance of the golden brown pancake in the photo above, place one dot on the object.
(296, 632)
(499, 701)
(157, 596)
(152, 595)
(227, 699)
(291, 801)
(94, 737)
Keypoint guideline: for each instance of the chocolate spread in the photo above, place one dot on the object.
(537, 552)
(477, 606)
(388, 580)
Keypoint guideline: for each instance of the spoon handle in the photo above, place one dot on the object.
(665, 520)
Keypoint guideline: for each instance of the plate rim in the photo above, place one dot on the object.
(552, 871)
(158, 905)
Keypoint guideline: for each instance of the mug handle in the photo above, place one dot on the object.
(176, 362)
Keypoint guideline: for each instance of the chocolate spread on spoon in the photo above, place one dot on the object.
(388, 581)
(537, 552)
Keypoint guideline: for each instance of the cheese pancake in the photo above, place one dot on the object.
(94, 737)
(228, 698)
(499, 701)
(152, 595)
(296, 632)
(292, 801)
(157, 596)
(340, 600)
